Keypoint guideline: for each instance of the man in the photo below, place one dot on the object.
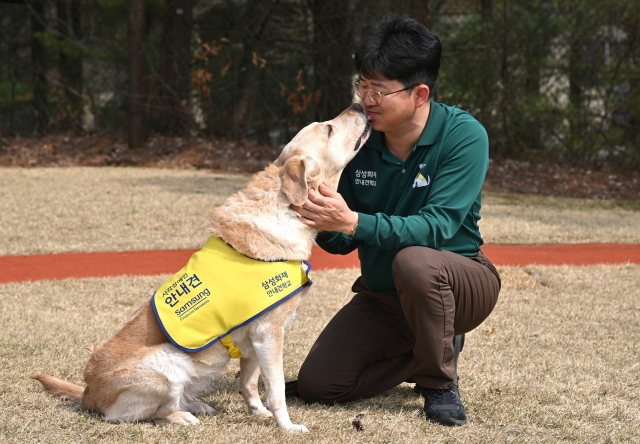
(409, 202)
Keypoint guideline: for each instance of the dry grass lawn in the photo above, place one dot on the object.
(55, 210)
(521, 219)
(558, 360)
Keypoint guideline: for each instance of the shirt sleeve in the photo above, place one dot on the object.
(456, 185)
(335, 242)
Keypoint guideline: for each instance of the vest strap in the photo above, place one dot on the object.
(234, 350)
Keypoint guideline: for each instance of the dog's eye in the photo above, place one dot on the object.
(329, 130)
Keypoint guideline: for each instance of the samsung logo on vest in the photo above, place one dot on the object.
(193, 302)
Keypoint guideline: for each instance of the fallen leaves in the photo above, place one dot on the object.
(552, 179)
(357, 422)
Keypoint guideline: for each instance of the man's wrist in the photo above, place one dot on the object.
(355, 226)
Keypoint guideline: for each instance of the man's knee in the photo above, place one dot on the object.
(416, 265)
(315, 385)
(308, 385)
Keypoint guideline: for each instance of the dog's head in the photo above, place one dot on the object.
(320, 151)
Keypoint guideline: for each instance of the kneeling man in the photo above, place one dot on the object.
(410, 203)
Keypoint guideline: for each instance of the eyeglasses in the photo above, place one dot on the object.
(375, 96)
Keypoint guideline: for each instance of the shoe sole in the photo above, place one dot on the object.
(447, 420)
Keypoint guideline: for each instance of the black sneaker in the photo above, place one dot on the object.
(443, 406)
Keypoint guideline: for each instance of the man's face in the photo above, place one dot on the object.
(393, 110)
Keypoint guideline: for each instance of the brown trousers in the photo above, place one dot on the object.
(377, 341)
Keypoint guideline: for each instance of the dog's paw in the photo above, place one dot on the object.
(180, 418)
(261, 411)
(200, 408)
(296, 428)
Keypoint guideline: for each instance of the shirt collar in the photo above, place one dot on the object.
(435, 124)
(430, 135)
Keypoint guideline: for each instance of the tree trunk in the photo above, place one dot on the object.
(486, 8)
(332, 56)
(39, 67)
(504, 78)
(575, 92)
(12, 102)
(70, 62)
(137, 117)
(535, 54)
(256, 17)
(421, 11)
(8, 43)
(175, 87)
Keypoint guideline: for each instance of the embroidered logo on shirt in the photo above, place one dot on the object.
(420, 180)
(366, 178)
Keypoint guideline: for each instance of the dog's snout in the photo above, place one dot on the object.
(360, 112)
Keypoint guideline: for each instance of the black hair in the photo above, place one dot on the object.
(399, 48)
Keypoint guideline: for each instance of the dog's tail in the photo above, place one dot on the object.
(60, 388)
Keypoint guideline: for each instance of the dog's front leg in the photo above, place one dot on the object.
(268, 347)
(249, 374)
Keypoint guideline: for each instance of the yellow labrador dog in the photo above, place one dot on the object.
(139, 375)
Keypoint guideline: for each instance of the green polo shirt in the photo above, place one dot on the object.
(431, 199)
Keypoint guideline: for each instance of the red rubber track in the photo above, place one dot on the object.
(83, 265)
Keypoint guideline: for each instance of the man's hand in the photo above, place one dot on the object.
(326, 210)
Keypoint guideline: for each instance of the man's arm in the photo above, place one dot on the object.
(331, 214)
(456, 185)
(336, 243)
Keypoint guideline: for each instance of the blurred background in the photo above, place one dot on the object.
(551, 81)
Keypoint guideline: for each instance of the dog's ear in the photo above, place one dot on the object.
(297, 174)
(285, 154)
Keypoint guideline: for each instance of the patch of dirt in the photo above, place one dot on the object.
(505, 176)
(159, 151)
(551, 179)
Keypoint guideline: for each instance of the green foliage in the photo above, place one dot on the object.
(549, 79)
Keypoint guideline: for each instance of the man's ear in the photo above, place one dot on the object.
(422, 95)
(297, 174)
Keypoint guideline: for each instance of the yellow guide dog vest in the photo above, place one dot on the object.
(220, 290)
